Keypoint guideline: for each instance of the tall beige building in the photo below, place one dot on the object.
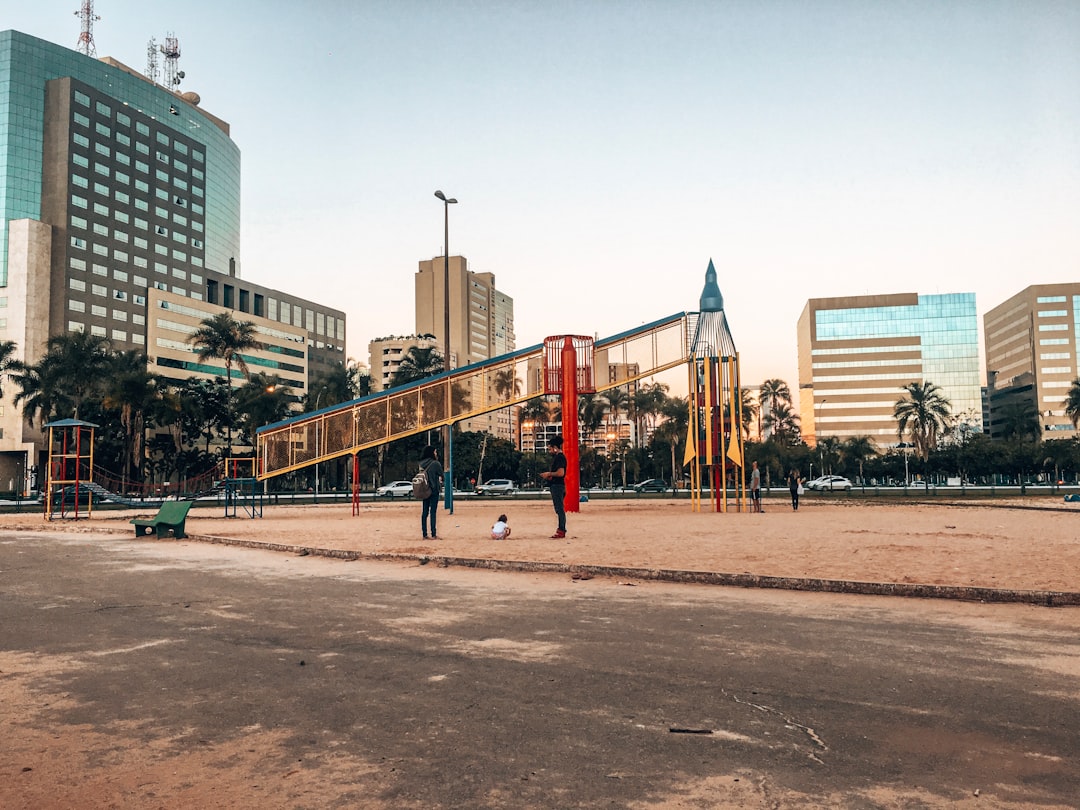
(1033, 353)
(481, 323)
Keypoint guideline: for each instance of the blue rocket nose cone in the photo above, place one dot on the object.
(711, 299)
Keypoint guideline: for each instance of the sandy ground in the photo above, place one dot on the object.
(1002, 544)
(997, 545)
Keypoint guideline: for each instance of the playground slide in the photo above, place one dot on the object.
(473, 390)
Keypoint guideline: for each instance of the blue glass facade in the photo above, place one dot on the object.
(947, 328)
(27, 63)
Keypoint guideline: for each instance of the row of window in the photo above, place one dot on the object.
(124, 120)
(99, 249)
(122, 275)
(101, 229)
(122, 178)
(120, 335)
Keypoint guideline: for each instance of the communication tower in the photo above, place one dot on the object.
(151, 60)
(171, 49)
(86, 37)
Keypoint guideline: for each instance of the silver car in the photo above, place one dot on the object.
(496, 486)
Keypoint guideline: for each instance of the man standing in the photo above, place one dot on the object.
(755, 489)
(429, 464)
(556, 478)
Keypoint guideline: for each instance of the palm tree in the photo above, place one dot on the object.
(1072, 403)
(648, 402)
(262, 400)
(1020, 420)
(222, 337)
(772, 394)
(617, 398)
(417, 364)
(748, 410)
(8, 363)
(857, 449)
(923, 413)
(73, 369)
(131, 389)
(783, 423)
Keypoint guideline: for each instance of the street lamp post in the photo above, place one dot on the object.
(448, 477)
(817, 433)
(318, 449)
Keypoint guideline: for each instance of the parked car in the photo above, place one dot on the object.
(652, 485)
(829, 483)
(395, 489)
(496, 486)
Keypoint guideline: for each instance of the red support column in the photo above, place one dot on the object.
(571, 433)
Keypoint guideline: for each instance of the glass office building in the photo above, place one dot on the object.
(118, 199)
(857, 353)
(122, 101)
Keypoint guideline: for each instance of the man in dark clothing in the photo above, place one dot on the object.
(556, 478)
(429, 463)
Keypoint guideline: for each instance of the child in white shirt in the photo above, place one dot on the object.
(500, 531)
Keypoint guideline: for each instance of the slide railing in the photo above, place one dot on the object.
(452, 396)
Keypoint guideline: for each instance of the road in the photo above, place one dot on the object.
(138, 673)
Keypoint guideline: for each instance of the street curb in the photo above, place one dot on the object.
(849, 586)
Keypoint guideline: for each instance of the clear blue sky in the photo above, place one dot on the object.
(603, 152)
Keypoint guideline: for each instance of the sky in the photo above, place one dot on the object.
(602, 152)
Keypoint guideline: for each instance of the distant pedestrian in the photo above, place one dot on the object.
(429, 464)
(556, 478)
(755, 489)
(794, 482)
(501, 529)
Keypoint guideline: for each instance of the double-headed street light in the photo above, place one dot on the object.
(448, 493)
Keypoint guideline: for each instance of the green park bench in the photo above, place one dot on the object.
(171, 515)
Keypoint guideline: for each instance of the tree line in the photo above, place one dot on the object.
(154, 429)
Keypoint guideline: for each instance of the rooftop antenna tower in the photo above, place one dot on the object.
(151, 60)
(171, 49)
(86, 37)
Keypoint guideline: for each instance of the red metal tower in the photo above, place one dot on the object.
(86, 36)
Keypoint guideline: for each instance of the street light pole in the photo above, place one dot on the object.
(448, 477)
(817, 433)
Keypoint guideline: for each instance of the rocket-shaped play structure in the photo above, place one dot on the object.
(714, 443)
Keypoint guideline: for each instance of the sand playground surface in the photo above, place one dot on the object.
(1031, 545)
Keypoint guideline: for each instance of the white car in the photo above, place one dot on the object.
(395, 489)
(829, 483)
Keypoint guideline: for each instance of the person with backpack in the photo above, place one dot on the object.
(431, 474)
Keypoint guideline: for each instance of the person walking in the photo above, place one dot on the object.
(429, 464)
(556, 478)
(755, 489)
(794, 482)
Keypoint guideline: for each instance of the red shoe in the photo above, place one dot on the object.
(559, 534)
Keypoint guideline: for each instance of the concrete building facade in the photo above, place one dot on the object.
(1033, 355)
(386, 353)
(856, 353)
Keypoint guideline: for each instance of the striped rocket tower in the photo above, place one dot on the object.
(714, 446)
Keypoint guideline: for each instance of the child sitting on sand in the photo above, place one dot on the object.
(500, 531)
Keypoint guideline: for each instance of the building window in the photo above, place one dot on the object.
(78, 242)
(82, 99)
